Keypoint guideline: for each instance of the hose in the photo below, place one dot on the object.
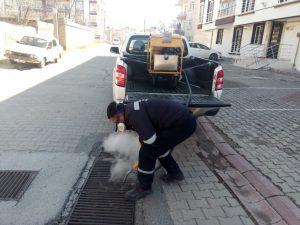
(186, 103)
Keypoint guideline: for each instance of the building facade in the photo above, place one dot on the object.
(258, 32)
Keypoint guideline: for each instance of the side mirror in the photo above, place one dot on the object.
(18, 42)
(115, 50)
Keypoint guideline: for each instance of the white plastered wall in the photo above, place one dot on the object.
(289, 40)
(225, 47)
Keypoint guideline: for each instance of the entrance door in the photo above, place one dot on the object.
(237, 39)
(274, 42)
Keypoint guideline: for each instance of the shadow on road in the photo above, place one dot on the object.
(6, 64)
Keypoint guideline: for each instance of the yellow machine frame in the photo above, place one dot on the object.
(156, 43)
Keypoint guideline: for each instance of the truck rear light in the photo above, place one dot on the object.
(120, 76)
(219, 81)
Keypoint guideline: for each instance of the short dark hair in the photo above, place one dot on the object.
(111, 109)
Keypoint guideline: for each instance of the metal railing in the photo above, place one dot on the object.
(227, 11)
(258, 56)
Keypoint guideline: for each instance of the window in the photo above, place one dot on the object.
(201, 12)
(248, 5)
(280, 1)
(203, 46)
(192, 6)
(190, 26)
(257, 33)
(33, 41)
(138, 45)
(54, 43)
(219, 36)
(210, 10)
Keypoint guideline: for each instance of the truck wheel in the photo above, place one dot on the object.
(42, 63)
(12, 61)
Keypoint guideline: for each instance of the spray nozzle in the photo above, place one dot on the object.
(121, 127)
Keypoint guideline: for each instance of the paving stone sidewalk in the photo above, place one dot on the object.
(201, 199)
(263, 123)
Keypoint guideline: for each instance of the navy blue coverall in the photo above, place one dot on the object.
(161, 126)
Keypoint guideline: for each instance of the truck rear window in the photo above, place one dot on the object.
(138, 45)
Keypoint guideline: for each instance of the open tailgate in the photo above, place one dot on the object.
(196, 101)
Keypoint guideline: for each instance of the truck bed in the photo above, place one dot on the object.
(142, 89)
(199, 73)
(144, 85)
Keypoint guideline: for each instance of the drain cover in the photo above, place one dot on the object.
(13, 183)
(101, 202)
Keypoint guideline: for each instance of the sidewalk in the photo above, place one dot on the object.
(252, 175)
(201, 199)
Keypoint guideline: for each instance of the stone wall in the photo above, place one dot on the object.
(72, 35)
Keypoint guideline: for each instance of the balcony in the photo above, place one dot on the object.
(226, 13)
(93, 12)
(226, 10)
(280, 3)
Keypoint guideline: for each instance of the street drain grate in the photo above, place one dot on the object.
(13, 183)
(101, 202)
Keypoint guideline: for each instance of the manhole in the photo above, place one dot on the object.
(13, 183)
(101, 202)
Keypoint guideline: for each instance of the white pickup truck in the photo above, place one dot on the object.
(35, 49)
(200, 88)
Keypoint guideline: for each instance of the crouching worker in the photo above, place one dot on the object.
(161, 125)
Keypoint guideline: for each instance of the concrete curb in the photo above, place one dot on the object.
(264, 201)
(78, 186)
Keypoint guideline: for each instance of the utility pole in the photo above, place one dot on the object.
(44, 8)
(144, 25)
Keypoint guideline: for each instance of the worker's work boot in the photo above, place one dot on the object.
(173, 171)
(137, 193)
(169, 177)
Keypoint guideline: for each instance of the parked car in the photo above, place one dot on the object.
(132, 82)
(116, 41)
(35, 49)
(202, 51)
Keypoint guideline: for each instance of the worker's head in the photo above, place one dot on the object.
(115, 112)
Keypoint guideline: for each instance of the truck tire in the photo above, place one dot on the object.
(12, 61)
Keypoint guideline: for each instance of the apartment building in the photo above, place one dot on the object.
(257, 32)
